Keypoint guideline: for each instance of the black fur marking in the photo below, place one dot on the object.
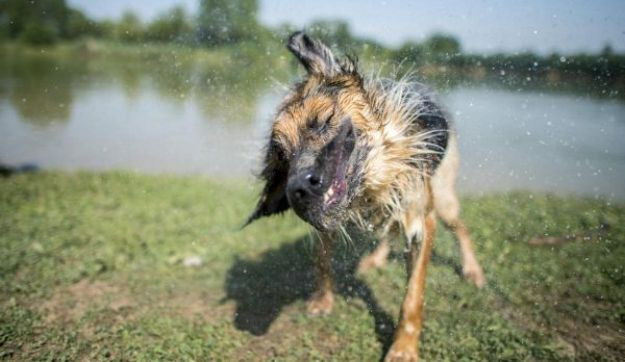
(433, 120)
(273, 199)
(314, 55)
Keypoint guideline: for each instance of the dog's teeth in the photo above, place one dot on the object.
(328, 195)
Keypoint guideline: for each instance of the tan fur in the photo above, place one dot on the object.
(389, 175)
(405, 344)
(399, 190)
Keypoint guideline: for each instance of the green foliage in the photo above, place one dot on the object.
(42, 22)
(410, 52)
(437, 49)
(227, 21)
(442, 45)
(36, 22)
(129, 28)
(39, 34)
(105, 29)
(171, 26)
(79, 25)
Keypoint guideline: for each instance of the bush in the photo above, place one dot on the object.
(39, 34)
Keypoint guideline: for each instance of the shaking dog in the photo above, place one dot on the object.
(376, 153)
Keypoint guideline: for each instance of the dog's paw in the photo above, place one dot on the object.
(473, 273)
(320, 304)
(401, 354)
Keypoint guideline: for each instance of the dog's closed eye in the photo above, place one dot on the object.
(320, 124)
(278, 152)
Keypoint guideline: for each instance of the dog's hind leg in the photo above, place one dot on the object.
(471, 268)
(405, 344)
(448, 209)
(322, 300)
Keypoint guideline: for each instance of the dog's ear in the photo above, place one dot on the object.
(273, 198)
(316, 57)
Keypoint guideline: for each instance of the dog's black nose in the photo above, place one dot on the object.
(302, 187)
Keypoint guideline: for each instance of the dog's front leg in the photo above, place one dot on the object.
(405, 344)
(322, 299)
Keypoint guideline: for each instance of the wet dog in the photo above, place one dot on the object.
(376, 153)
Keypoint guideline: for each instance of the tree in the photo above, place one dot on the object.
(129, 28)
(607, 50)
(168, 27)
(227, 21)
(37, 21)
(410, 52)
(39, 33)
(105, 29)
(441, 46)
(78, 25)
(42, 21)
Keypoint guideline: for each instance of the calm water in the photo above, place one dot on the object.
(85, 115)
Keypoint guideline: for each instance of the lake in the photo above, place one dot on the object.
(71, 114)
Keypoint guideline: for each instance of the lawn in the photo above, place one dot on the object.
(132, 267)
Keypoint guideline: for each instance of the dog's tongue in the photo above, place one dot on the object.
(335, 157)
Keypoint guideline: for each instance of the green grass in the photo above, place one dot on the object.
(92, 268)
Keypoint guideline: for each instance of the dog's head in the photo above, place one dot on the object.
(313, 160)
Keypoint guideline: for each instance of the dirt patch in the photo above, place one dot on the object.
(69, 304)
(192, 306)
(574, 336)
(592, 339)
(593, 235)
(277, 342)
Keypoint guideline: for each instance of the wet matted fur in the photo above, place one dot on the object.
(372, 152)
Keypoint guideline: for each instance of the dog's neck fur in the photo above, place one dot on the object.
(396, 143)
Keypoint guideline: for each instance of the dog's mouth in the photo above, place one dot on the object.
(335, 193)
(334, 162)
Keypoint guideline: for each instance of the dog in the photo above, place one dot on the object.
(376, 153)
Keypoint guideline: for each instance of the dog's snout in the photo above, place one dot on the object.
(304, 186)
(313, 180)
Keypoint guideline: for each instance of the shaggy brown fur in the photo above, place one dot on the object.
(372, 152)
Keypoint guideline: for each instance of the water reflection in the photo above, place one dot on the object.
(41, 89)
(183, 113)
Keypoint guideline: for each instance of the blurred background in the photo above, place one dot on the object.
(189, 86)
(128, 260)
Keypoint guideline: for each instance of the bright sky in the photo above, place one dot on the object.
(482, 25)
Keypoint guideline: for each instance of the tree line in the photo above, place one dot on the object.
(44, 22)
(226, 22)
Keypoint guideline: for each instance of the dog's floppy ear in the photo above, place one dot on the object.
(316, 57)
(273, 198)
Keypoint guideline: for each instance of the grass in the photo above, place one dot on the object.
(93, 268)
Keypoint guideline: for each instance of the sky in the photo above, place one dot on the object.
(544, 26)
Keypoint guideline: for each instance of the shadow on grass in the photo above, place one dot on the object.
(262, 286)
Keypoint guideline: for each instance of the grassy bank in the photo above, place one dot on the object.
(245, 57)
(121, 266)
